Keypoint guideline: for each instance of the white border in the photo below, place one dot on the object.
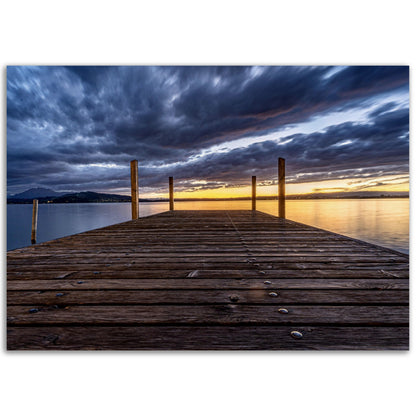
(189, 32)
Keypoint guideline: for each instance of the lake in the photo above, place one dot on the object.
(380, 221)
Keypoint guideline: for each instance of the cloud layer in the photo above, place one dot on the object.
(77, 128)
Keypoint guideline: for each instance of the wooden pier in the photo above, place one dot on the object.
(209, 280)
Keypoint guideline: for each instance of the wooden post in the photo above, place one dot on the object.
(253, 193)
(282, 197)
(171, 193)
(34, 221)
(134, 189)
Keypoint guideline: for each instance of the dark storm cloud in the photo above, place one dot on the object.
(343, 151)
(61, 118)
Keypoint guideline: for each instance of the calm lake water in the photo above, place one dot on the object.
(380, 221)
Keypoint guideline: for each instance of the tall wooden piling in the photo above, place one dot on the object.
(171, 193)
(282, 197)
(34, 221)
(253, 193)
(134, 189)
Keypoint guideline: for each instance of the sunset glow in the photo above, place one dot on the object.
(393, 184)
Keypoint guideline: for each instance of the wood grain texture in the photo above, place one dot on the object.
(253, 192)
(207, 314)
(134, 179)
(208, 296)
(281, 185)
(207, 280)
(171, 202)
(34, 221)
(207, 338)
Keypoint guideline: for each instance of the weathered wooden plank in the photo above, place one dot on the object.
(211, 248)
(190, 266)
(207, 338)
(207, 296)
(208, 314)
(219, 251)
(205, 231)
(191, 283)
(180, 243)
(234, 257)
(91, 273)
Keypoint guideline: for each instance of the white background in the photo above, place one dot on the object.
(192, 32)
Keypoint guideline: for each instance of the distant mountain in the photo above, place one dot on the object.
(60, 198)
(37, 193)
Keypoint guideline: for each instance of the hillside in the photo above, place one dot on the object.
(34, 193)
(79, 197)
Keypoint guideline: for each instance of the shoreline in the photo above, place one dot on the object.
(288, 197)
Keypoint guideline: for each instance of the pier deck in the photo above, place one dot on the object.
(207, 280)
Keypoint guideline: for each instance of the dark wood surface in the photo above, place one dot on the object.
(134, 181)
(207, 280)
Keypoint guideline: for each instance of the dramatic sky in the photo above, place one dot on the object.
(211, 128)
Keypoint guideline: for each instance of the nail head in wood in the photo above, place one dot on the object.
(296, 334)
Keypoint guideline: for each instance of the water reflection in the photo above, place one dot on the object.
(379, 221)
(59, 220)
